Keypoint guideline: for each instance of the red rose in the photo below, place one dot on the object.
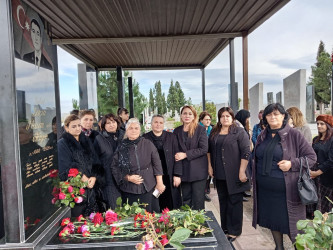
(98, 219)
(65, 221)
(86, 234)
(62, 196)
(112, 230)
(164, 241)
(72, 195)
(80, 217)
(70, 189)
(53, 173)
(82, 191)
(73, 172)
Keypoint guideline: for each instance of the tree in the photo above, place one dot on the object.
(151, 101)
(180, 96)
(189, 102)
(164, 105)
(172, 99)
(107, 93)
(158, 97)
(321, 77)
(75, 104)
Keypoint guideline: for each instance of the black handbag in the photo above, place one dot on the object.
(306, 187)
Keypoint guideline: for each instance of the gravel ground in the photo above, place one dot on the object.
(248, 210)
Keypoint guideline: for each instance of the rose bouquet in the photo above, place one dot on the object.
(69, 192)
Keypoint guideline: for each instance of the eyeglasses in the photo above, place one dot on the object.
(207, 119)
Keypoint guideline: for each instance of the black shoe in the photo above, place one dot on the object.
(231, 239)
(247, 194)
(207, 198)
(245, 199)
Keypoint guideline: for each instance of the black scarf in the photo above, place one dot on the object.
(124, 157)
(269, 150)
(158, 140)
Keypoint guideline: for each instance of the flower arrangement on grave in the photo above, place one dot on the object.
(130, 221)
(69, 192)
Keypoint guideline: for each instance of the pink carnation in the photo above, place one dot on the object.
(78, 199)
(82, 191)
(70, 189)
(110, 217)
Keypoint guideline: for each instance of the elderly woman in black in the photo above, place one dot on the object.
(279, 148)
(323, 146)
(167, 146)
(106, 144)
(75, 150)
(193, 144)
(87, 118)
(137, 168)
(229, 151)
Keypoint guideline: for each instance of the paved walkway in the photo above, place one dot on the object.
(251, 239)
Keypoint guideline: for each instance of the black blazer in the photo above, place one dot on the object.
(196, 167)
(144, 153)
(236, 146)
(175, 168)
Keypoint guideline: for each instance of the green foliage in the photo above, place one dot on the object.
(177, 124)
(321, 76)
(180, 96)
(317, 232)
(75, 104)
(159, 101)
(178, 236)
(126, 210)
(189, 102)
(107, 94)
(210, 108)
(151, 101)
(172, 99)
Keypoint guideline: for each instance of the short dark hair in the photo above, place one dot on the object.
(69, 119)
(87, 112)
(110, 117)
(75, 112)
(217, 128)
(271, 108)
(203, 114)
(120, 110)
(35, 22)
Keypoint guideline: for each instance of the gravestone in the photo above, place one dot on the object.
(233, 96)
(35, 60)
(270, 98)
(256, 102)
(310, 104)
(279, 97)
(294, 90)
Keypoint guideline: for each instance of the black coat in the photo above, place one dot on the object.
(236, 146)
(196, 152)
(81, 155)
(144, 161)
(104, 150)
(175, 168)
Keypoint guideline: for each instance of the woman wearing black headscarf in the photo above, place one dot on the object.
(242, 118)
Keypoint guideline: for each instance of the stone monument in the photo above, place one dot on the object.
(270, 98)
(256, 102)
(279, 97)
(294, 90)
(310, 104)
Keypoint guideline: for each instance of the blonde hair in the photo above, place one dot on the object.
(297, 116)
(194, 124)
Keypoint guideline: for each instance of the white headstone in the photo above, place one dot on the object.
(256, 102)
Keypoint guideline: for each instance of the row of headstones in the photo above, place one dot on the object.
(295, 94)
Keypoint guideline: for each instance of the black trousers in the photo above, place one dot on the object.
(194, 194)
(148, 198)
(231, 209)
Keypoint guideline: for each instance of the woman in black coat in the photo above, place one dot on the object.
(87, 118)
(193, 146)
(137, 168)
(167, 146)
(106, 144)
(323, 146)
(75, 150)
(229, 151)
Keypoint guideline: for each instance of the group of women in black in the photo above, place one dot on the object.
(120, 162)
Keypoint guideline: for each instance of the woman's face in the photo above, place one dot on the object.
(187, 116)
(74, 128)
(87, 121)
(226, 119)
(206, 121)
(321, 126)
(124, 116)
(133, 131)
(111, 125)
(275, 119)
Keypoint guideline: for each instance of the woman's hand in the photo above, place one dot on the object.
(242, 176)
(91, 182)
(314, 174)
(176, 181)
(180, 156)
(160, 187)
(284, 165)
(136, 179)
(84, 178)
(210, 171)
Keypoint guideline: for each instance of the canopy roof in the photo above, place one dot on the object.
(151, 34)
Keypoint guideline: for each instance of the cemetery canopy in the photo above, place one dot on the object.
(151, 34)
